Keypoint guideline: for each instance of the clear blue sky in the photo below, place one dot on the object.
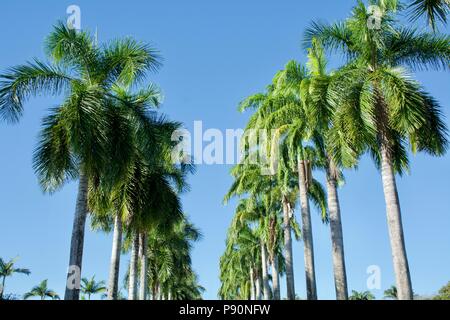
(216, 53)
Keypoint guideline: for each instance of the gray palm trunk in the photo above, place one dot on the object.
(258, 282)
(394, 219)
(275, 278)
(337, 240)
(77, 242)
(132, 281)
(143, 275)
(252, 284)
(311, 290)
(290, 285)
(113, 282)
(265, 275)
(2, 287)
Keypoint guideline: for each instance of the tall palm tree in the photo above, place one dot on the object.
(290, 132)
(90, 286)
(155, 203)
(42, 292)
(240, 265)
(170, 274)
(379, 107)
(7, 269)
(313, 118)
(73, 136)
(137, 135)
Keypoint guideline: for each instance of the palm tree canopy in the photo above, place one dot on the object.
(74, 134)
(7, 269)
(376, 75)
(365, 295)
(42, 292)
(391, 293)
(90, 286)
(434, 10)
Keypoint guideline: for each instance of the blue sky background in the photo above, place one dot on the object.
(216, 53)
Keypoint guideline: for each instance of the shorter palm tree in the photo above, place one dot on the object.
(363, 295)
(90, 287)
(391, 293)
(41, 291)
(7, 269)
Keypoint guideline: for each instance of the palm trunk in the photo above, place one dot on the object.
(154, 292)
(113, 285)
(311, 290)
(76, 245)
(252, 285)
(290, 286)
(394, 219)
(143, 276)
(132, 281)
(337, 241)
(258, 287)
(275, 278)
(2, 288)
(266, 289)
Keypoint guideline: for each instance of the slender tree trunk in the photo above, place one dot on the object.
(258, 282)
(154, 292)
(337, 241)
(290, 285)
(113, 283)
(143, 277)
(266, 289)
(252, 285)
(76, 245)
(275, 278)
(2, 288)
(394, 219)
(132, 281)
(311, 290)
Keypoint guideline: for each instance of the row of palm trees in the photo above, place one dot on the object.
(326, 120)
(107, 134)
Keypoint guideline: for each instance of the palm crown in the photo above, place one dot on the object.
(42, 292)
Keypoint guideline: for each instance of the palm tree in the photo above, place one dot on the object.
(90, 286)
(391, 293)
(313, 118)
(366, 295)
(73, 139)
(240, 265)
(155, 202)
(170, 274)
(379, 108)
(275, 111)
(7, 269)
(134, 131)
(42, 292)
